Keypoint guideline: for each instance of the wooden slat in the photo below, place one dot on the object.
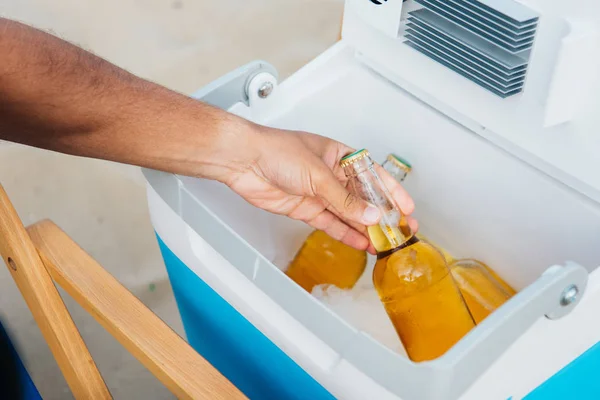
(47, 307)
(138, 329)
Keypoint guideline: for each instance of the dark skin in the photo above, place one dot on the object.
(56, 96)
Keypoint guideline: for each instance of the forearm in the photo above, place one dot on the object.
(57, 96)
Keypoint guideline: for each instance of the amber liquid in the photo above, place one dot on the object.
(419, 295)
(446, 255)
(507, 288)
(482, 288)
(323, 260)
(482, 292)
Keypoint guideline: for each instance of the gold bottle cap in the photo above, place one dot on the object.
(353, 157)
(399, 162)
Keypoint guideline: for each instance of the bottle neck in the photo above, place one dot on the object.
(383, 254)
(392, 231)
(397, 167)
(395, 171)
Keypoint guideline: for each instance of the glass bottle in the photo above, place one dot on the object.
(324, 260)
(399, 169)
(483, 290)
(410, 276)
(507, 288)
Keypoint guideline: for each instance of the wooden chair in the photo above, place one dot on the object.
(42, 253)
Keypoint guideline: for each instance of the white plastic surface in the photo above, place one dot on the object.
(511, 182)
(569, 90)
(385, 16)
(315, 357)
(546, 348)
(473, 198)
(515, 374)
(565, 147)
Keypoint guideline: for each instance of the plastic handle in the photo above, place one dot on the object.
(482, 346)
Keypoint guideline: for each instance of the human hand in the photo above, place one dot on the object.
(110, 114)
(297, 174)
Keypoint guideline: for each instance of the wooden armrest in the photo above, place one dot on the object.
(47, 307)
(139, 330)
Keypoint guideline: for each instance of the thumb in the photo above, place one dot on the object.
(347, 204)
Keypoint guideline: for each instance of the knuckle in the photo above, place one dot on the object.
(319, 181)
(317, 184)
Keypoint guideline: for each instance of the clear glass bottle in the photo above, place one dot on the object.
(483, 290)
(396, 166)
(324, 260)
(399, 169)
(410, 276)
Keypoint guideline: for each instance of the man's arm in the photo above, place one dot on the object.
(57, 96)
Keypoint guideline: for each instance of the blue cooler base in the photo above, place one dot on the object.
(232, 344)
(579, 380)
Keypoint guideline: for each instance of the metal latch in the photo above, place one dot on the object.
(248, 84)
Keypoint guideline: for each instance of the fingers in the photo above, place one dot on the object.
(312, 211)
(414, 224)
(371, 249)
(359, 227)
(348, 206)
(399, 194)
(338, 230)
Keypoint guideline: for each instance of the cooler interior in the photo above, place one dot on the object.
(472, 198)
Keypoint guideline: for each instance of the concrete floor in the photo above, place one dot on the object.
(182, 44)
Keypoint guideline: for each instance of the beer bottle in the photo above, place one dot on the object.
(411, 277)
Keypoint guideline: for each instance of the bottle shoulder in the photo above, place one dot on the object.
(411, 268)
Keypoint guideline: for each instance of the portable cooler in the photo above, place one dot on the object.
(495, 104)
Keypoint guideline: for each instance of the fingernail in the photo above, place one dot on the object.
(371, 215)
